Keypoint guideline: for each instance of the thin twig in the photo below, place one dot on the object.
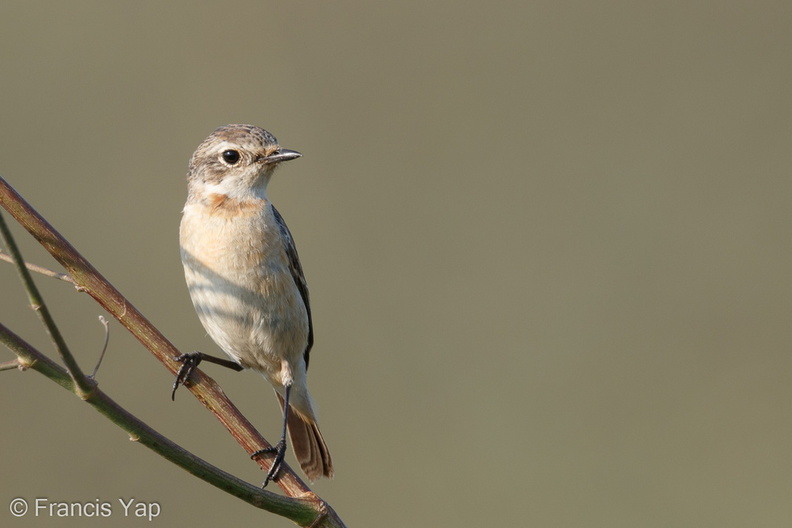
(104, 347)
(38, 269)
(9, 365)
(37, 301)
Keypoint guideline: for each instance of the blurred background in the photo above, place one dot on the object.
(548, 246)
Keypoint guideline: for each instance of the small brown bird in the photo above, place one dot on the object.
(246, 281)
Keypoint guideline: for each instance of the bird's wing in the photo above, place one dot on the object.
(297, 274)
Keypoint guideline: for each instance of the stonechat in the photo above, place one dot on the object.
(246, 281)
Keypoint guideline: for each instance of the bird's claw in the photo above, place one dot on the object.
(280, 452)
(189, 363)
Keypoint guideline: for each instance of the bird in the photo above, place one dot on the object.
(247, 284)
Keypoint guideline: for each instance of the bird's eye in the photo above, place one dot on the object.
(231, 156)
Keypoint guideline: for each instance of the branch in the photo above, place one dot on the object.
(89, 280)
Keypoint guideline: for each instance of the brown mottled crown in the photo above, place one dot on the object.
(242, 134)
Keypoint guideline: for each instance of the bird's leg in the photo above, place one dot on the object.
(280, 448)
(190, 362)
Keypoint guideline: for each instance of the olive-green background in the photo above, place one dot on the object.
(548, 246)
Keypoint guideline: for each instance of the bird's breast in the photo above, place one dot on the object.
(239, 280)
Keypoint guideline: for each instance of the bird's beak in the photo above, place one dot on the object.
(281, 155)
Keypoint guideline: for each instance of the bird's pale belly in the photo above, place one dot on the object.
(248, 303)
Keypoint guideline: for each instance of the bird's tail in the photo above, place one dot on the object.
(308, 444)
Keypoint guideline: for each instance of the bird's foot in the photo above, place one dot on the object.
(280, 452)
(189, 363)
